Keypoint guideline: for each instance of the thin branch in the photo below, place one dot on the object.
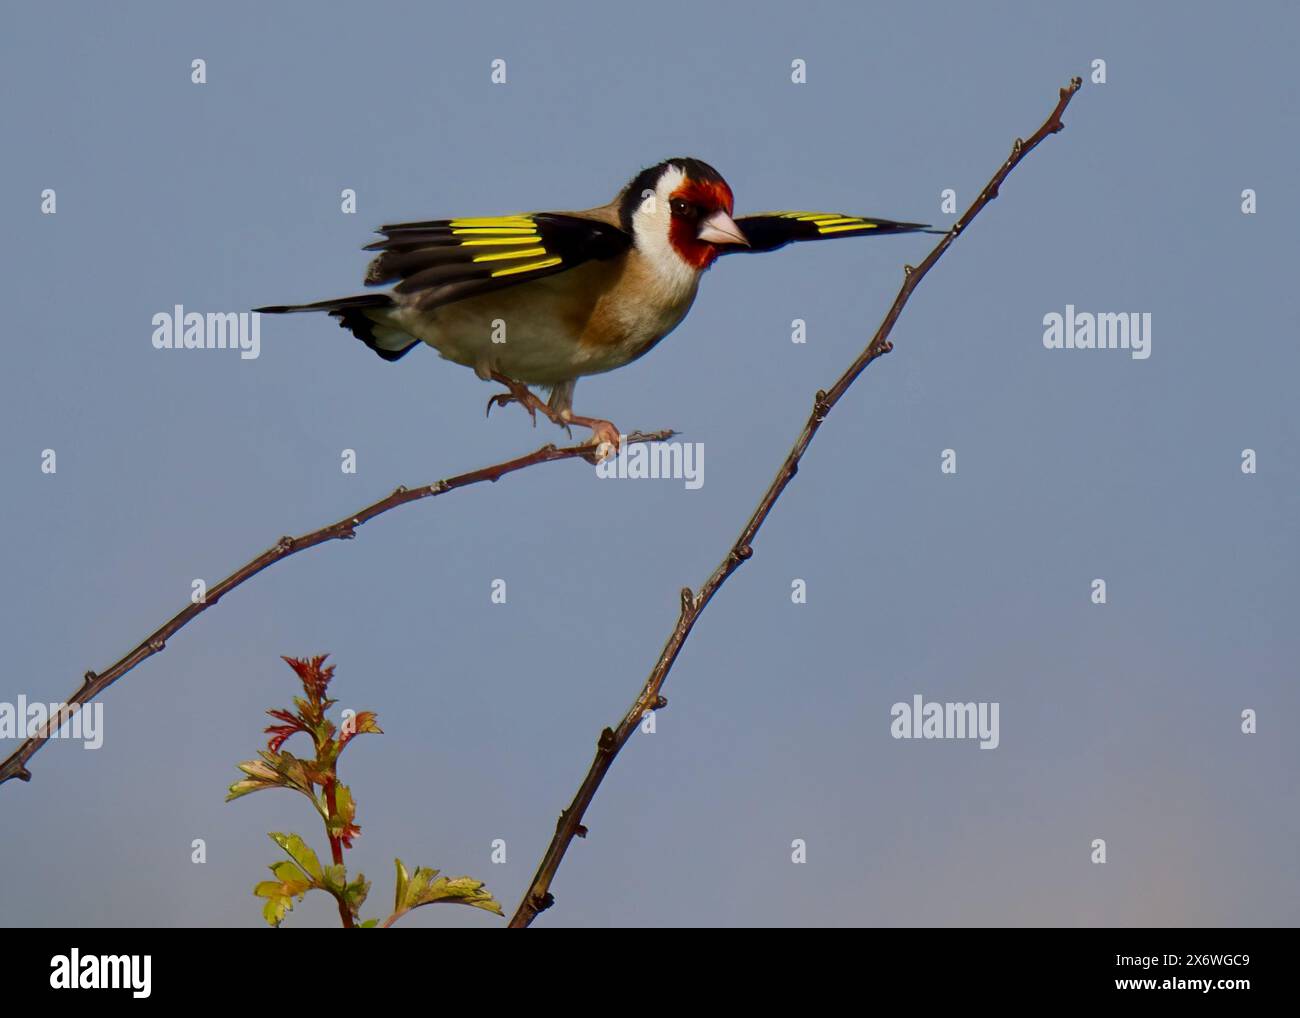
(538, 897)
(94, 683)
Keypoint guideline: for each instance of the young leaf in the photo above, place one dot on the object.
(356, 892)
(461, 891)
(291, 876)
(341, 825)
(295, 772)
(299, 852)
(427, 888)
(315, 679)
(275, 908)
(279, 893)
(403, 880)
(335, 879)
(274, 770)
(260, 775)
(279, 733)
(363, 724)
(260, 770)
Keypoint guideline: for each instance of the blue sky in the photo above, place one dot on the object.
(1119, 721)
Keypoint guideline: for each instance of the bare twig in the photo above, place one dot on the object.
(538, 896)
(94, 683)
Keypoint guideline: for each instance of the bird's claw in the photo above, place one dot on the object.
(604, 440)
(504, 399)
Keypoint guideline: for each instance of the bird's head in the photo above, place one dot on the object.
(680, 210)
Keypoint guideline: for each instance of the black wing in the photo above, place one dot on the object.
(445, 260)
(768, 231)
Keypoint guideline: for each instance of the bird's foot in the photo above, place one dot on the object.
(604, 435)
(519, 393)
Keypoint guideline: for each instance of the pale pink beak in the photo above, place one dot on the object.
(720, 228)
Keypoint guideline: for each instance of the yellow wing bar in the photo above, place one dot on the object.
(518, 233)
(523, 252)
(494, 231)
(546, 263)
(504, 222)
(500, 241)
(828, 222)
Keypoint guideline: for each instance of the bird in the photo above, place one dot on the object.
(544, 298)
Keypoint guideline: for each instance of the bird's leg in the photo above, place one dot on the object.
(602, 432)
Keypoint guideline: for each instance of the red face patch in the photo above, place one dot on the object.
(704, 197)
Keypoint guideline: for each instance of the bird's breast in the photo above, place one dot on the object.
(640, 308)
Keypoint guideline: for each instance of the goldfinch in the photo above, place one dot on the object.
(543, 298)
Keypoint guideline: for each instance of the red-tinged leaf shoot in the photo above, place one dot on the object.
(314, 674)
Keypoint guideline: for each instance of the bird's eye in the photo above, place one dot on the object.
(684, 209)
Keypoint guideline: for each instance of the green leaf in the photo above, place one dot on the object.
(416, 888)
(345, 811)
(368, 924)
(427, 888)
(462, 891)
(294, 771)
(290, 882)
(274, 770)
(274, 910)
(279, 893)
(355, 893)
(343, 804)
(240, 788)
(291, 876)
(335, 879)
(403, 879)
(260, 776)
(299, 851)
(259, 769)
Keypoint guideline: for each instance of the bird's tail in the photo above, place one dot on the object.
(890, 226)
(363, 317)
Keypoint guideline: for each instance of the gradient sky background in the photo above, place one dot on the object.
(1119, 722)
